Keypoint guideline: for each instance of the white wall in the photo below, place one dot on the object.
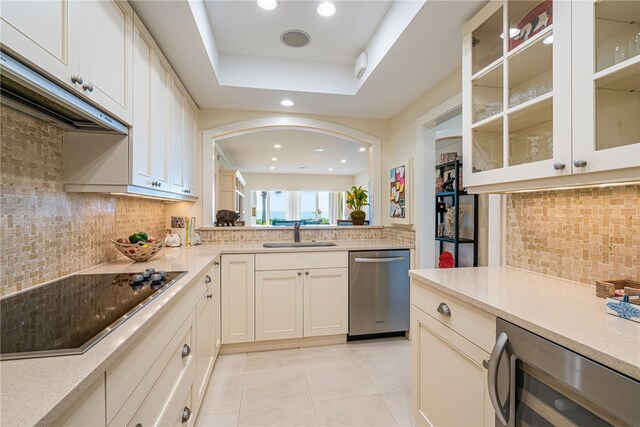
(362, 180)
(297, 182)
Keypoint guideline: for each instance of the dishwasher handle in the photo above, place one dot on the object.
(376, 260)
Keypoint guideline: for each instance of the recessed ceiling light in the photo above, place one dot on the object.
(268, 4)
(277, 146)
(330, 169)
(286, 103)
(318, 150)
(274, 159)
(362, 149)
(326, 8)
(548, 39)
(343, 161)
(272, 167)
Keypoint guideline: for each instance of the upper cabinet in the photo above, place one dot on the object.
(86, 45)
(606, 90)
(539, 109)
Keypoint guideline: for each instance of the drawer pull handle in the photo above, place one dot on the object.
(209, 296)
(444, 309)
(207, 279)
(186, 350)
(216, 263)
(186, 414)
(485, 364)
(78, 80)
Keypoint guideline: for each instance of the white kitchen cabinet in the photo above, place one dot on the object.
(44, 33)
(190, 144)
(449, 380)
(238, 308)
(205, 326)
(279, 304)
(176, 143)
(86, 45)
(547, 109)
(606, 90)
(326, 301)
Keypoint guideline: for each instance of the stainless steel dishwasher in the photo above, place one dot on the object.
(378, 292)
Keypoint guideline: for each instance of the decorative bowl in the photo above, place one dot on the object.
(141, 251)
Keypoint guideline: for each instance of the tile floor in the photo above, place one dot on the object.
(361, 383)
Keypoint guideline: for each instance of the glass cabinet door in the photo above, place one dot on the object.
(519, 102)
(606, 92)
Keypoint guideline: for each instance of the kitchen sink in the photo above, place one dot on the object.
(297, 244)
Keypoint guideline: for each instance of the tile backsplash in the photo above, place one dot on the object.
(47, 233)
(580, 235)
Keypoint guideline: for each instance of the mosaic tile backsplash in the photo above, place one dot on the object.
(581, 235)
(47, 233)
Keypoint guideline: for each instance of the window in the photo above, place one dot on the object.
(308, 207)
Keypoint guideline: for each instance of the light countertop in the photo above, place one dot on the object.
(562, 311)
(37, 391)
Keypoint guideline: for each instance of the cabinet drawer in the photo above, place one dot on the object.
(143, 363)
(476, 325)
(151, 409)
(307, 260)
(180, 412)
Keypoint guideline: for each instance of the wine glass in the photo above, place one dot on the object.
(533, 147)
(634, 45)
(619, 54)
(549, 137)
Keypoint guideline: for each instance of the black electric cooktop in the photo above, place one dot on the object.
(71, 315)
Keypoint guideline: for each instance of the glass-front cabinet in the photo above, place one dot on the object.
(606, 91)
(550, 89)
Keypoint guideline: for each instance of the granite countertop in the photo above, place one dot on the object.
(37, 391)
(566, 312)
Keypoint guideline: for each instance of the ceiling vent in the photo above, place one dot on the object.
(295, 38)
(360, 65)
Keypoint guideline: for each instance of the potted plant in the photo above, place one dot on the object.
(356, 199)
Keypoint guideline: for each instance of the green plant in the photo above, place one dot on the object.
(357, 198)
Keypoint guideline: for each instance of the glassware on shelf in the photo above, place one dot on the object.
(634, 45)
(480, 114)
(619, 54)
(517, 99)
(494, 108)
(534, 141)
(535, 90)
(549, 138)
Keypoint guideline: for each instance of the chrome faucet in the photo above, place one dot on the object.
(296, 232)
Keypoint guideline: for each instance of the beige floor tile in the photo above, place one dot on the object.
(327, 354)
(398, 349)
(362, 411)
(399, 403)
(335, 380)
(298, 415)
(230, 363)
(275, 388)
(230, 419)
(263, 360)
(223, 393)
(389, 374)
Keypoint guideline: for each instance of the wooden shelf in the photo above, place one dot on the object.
(537, 100)
(450, 240)
(531, 115)
(491, 76)
(490, 124)
(624, 76)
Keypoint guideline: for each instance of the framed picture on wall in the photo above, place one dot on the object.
(400, 192)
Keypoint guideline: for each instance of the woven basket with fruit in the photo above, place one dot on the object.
(139, 246)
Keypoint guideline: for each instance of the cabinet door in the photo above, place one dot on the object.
(141, 131)
(606, 91)
(326, 301)
(158, 110)
(106, 55)
(176, 141)
(44, 33)
(449, 380)
(190, 141)
(204, 341)
(278, 304)
(216, 318)
(238, 298)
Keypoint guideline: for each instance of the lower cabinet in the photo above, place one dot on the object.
(278, 304)
(326, 302)
(207, 323)
(237, 279)
(449, 381)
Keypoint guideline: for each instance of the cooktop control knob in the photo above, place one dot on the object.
(156, 277)
(164, 275)
(146, 274)
(151, 270)
(137, 278)
(137, 286)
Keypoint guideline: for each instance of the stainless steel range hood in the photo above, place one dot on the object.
(30, 92)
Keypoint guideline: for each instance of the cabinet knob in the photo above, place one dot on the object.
(306, 273)
(209, 296)
(87, 86)
(186, 414)
(580, 163)
(485, 364)
(444, 309)
(559, 166)
(186, 350)
(216, 263)
(299, 273)
(207, 279)
(77, 79)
